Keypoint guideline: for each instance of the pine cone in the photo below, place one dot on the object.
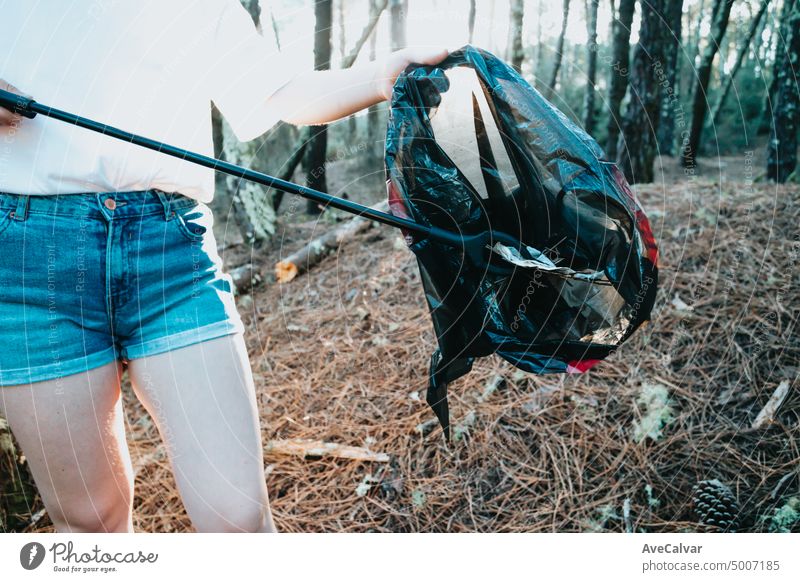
(715, 505)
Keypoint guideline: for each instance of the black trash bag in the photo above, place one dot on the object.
(471, 147)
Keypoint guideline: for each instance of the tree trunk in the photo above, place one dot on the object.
(591, 69)
(743, 50)
(618, 84)
(780, 51)
(373, 113)
(516, 53)
(537, 50)
(782, 148)
(551, 86)
(722, 12)
(317, 148)
(249, 204)
(637, 145)
(398, 13)
(473, 8)
(671, 79)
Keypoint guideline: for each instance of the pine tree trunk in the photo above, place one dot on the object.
(250, 204)
(537, 53)
(743, 50)
(516, 53)
(722, 12)
(620, 70)
(637, 146)
(398, 13)
(782, 148)
(471, 20)
(373, 113)
(317, 148)
(780, 51)
(591, 68)
(671, 79)
(551, 86)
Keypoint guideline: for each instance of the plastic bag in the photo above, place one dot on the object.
(471, 146)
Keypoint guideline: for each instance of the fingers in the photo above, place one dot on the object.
(8, 118)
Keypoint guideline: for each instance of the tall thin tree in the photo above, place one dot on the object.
(744, 48)
(781, 34)
(591, 67)
(398, 18)
(722, 13)
(670, 102)
(471, 19)
(782, 147)
(619, 71)
(314, 162)
(551, 86)
(516, 52)
(637, 146)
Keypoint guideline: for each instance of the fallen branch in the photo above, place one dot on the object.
(767, 414)
(302, 260)
(245, 277)
(309, 448)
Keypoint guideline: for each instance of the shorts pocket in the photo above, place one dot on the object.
(194, 221)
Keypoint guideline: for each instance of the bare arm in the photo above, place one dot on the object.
(319, 97)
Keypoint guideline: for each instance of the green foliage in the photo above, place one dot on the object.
(786, 518)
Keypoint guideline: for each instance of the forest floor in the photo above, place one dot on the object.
(340, 355)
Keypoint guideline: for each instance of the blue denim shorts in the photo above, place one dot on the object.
(87, 279)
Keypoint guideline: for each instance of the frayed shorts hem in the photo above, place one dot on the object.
(61, 369)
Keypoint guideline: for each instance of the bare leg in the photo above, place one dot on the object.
(72, 432)
(203, 401)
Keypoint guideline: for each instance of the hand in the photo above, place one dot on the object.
(8, 118)
(396, 63)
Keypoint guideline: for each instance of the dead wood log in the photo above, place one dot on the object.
(303, 259)
(770, 410)
(312, 448)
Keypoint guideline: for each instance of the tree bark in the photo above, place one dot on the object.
(373, 113)
(782, 148)
(318, 146)
(743, 50)
(671, 80)
(473, 8)
(516, 53)
(637, 145)
(551, 86)
(722, 12)
(251, 208)
(398, 13)
(618, 84)
(780, 51)
(591, 68)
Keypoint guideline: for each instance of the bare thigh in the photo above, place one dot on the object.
(72, 432)
(203, 402)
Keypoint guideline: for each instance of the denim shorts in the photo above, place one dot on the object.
(87, 279)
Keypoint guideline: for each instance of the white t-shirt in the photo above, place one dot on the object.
(151, 67)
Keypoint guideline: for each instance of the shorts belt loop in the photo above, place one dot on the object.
(21, 211)
(166, 202)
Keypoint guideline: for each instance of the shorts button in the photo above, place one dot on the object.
(110, 203)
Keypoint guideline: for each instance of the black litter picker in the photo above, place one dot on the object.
(530, 245)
